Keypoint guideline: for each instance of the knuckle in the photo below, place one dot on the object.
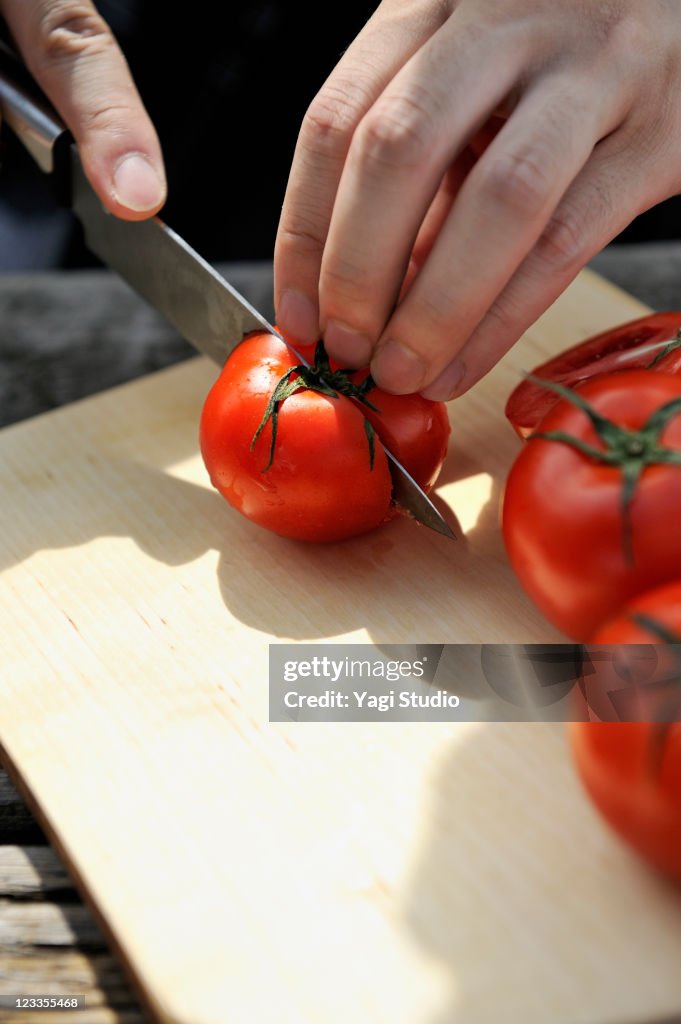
(112, 119)
(331, 118)
(397, 132)
(431, 309)
(562, 242)
(517, 180)
(618, 24)
(625, 36)
(501, 318)
(72, 29)
(303, 240)
(344, 280)
(627, 45)
(633, 38)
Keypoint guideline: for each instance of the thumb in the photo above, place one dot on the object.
(75, 59)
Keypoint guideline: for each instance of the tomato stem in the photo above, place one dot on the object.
(669, 347)
(658, 630)
(630, 451)
(320, 378)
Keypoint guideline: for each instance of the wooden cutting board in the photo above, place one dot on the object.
(249, 872)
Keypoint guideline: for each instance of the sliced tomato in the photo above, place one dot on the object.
(652, 342)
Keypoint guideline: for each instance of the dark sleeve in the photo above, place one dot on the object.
(227, 86)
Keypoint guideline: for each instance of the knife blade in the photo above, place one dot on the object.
(160, 266)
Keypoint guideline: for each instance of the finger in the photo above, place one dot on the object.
(395, 32)
(610, 191)
(436, 216)
(75, 59)
(441, 206)
(401, 150)
(500, 212)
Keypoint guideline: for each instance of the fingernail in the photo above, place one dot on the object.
(446, 384)
(297, 315)
(397, 368)
(137, 184)
(347, 346)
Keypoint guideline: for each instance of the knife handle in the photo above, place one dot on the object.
(32, 119)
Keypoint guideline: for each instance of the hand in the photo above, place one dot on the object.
(461, 164)
(73, 56)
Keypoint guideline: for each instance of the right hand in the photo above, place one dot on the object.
(419, 245)
(71, 53)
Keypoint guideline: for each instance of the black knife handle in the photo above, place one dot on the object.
(33, 120)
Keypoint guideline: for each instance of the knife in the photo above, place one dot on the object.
(154, 260)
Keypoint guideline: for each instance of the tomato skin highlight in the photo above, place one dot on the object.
(562, 517)
(638, 795)
(625, 347)
(416, 431)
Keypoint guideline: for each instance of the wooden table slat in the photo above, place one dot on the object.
(32, 871)
(47, 948)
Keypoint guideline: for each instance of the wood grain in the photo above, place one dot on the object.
(405, 872)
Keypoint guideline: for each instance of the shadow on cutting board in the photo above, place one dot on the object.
(533, 909)
(283, 588)
(346, 584)
(416, 569)
(57, 514)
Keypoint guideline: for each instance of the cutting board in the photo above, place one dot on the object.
(409, 873)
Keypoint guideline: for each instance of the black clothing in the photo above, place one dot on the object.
(227, 86)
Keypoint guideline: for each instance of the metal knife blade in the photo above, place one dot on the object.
(155, 261)
(161, 267)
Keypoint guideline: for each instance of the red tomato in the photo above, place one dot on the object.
(634, 661)
(646, 619)
(632, 771)
(640, 344)
(579, 545)
(321, 478)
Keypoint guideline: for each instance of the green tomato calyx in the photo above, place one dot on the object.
(670, 346)
(320, 378)
(630, 451)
